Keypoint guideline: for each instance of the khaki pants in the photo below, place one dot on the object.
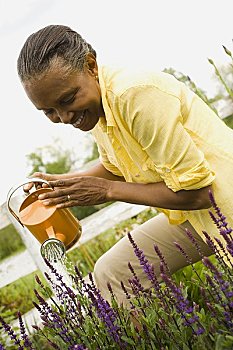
(113, 265)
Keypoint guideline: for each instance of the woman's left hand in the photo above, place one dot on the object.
(77, 191)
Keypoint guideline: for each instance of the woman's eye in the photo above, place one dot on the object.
(52, 116)
(68, 100)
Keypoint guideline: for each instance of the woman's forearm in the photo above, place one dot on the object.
(159, 195)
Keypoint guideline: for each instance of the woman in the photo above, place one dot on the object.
(160, 145)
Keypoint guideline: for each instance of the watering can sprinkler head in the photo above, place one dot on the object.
(53, 250)
(52, 227)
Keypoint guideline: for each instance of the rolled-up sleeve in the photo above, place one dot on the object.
(155, 120)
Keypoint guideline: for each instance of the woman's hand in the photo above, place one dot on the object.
(42, 176)
(77, 191)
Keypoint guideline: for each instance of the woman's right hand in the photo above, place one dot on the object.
(43, 176)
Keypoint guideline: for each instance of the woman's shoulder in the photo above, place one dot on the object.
(119, 79)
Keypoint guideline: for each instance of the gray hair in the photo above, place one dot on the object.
(49, 43)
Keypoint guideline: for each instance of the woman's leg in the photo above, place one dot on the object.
(113, 265)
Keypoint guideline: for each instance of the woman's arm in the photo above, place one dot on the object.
(90, 190)
(97, 170)
(159, 195)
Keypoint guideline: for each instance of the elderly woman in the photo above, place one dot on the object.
(160, 145)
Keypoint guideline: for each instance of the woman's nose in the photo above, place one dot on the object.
(65, 116)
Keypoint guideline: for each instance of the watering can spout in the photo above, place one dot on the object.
(47, 223)
(53, 250)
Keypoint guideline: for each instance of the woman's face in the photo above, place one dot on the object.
(71, 98)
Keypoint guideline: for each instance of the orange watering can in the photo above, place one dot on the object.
(47, 223)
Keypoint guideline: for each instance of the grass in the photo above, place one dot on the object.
(18, 295)
(10, 242)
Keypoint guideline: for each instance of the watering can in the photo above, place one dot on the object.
(47, 223)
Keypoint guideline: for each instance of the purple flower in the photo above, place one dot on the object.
(189, 261)
(136, 286)
(24, 336)
(52, 319)
(147, 267)
(221, 288)
(128, 297)
(162, 258)
(8, 329)
(194, 242)
(214, 248)
(105, 312)
(216, 273)
(199, 331)
(222, 225)
(222, 248)
(182, 305)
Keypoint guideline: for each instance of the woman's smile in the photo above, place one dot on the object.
(78, 122)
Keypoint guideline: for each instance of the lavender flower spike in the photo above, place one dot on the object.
(8, 329)
(220, 220)
(24, 336)
(147, 267)
(162, 258)
(183, 307)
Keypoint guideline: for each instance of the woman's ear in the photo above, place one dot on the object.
(91, 64)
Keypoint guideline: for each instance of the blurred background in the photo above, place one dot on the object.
(163, 34)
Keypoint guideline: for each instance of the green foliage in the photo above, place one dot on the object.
(164, 318)
(229, 121)
(224, 78)
(10, 242)
(190, 83)
(18, 296)
(94, 154)
(225, 74)
(51, 159)
(83, 212)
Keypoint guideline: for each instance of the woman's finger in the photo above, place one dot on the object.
(58, 183)
(53, 194)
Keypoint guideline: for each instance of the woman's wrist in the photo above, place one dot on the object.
(117, 191)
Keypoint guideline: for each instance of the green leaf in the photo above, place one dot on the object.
(128, 340)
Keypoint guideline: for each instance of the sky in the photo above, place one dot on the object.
(149, 34)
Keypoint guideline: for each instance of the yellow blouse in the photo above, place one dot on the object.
(155, 130)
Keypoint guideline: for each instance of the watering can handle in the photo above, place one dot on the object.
(15, 188)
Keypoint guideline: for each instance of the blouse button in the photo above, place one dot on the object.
(137, 175)
(167, 170)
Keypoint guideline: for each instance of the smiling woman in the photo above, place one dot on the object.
(160, 145)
